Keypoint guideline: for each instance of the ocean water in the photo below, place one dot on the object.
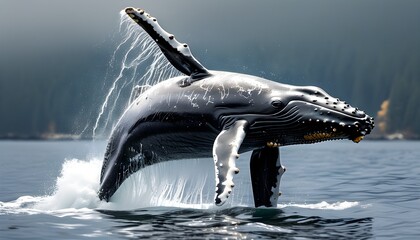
(332, 190)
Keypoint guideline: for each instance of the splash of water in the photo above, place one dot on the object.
(183, 184)
(322, 205)
(137, 60)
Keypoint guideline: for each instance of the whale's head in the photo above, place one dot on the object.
(290, 115)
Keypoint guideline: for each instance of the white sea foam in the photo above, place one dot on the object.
(76, 187)
(322, 205)
(181, 184)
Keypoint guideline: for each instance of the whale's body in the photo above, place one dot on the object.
(221, 114)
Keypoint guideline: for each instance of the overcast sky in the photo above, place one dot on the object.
(41, 22)
(252, 30)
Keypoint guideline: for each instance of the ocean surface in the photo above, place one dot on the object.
(332, 190)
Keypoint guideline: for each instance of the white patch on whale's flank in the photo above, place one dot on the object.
(223, 92)
(209, 86)
(240, 85)
(192, 97)
(207, 94)
(252, 87)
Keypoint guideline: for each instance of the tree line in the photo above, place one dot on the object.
(61, 92)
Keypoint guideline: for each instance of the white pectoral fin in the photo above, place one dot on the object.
(225, 153)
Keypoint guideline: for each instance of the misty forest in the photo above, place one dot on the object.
(54, 76)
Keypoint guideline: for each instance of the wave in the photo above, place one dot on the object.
(322, 205)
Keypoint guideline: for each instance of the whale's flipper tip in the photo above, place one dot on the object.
(178, 54)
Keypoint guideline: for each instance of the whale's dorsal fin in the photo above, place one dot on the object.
(225, 153)
(178, 54)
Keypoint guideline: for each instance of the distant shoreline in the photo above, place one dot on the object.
(58, 137)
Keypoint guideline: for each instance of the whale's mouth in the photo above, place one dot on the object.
(325, 136)
(320, 136)
(332, 124)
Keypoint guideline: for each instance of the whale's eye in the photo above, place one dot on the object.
(277, 104)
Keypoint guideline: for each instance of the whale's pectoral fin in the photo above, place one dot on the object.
(225, 153)
(266, 171)
(178, 54)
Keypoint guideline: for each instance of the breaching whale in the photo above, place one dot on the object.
(221, 114)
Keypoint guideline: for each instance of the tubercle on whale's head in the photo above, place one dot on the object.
(309, 115)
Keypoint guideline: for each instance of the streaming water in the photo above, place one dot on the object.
(137, 60)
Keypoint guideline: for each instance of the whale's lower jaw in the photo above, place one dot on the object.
(327, 136)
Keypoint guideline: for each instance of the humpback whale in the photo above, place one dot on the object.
(221, 114)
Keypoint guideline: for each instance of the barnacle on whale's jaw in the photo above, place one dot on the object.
(325, 136)
(354, 132)
(358, 139)
(319, 136)
(273, 144)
